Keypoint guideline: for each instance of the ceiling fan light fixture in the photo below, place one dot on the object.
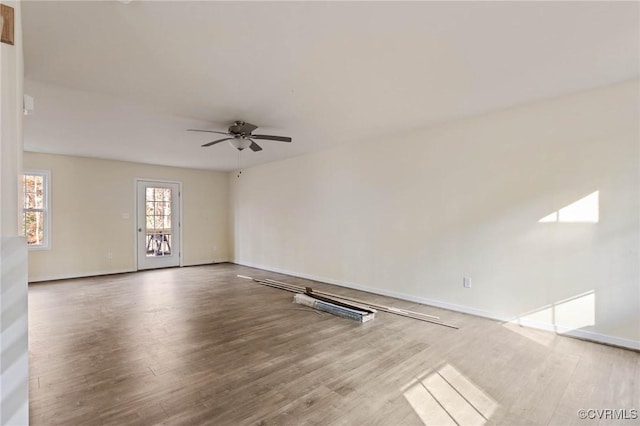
(240, 143)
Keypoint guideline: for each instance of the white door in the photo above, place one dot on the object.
(158, 219)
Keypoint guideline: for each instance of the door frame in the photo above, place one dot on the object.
(136, 212)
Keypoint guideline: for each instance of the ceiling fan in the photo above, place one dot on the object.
(240, 136)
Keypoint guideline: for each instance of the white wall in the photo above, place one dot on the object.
(410, 215)
(88, 199)
(14, 354)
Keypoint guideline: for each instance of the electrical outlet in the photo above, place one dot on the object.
(109, 255)
(466, 282)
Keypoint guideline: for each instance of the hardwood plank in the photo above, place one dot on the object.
(198, 345)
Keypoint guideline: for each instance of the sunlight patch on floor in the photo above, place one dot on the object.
(447, 397)
(542, 337)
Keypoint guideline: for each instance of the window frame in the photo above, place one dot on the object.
(46, 209)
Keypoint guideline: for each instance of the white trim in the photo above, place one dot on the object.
(180, 221)
(600, 338)
(134, 221)
(111, 272)
(580, 334)
(214, 262)
(46, 174)
(79, 275)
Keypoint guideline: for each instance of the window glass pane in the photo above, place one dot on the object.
(35, 216)
(34, 227)
(39, 192)
(33, 192)
(149, 194)
(28, 188)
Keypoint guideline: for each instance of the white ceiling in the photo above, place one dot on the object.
(124, 81)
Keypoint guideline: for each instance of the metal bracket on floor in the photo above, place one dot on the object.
(391, 310)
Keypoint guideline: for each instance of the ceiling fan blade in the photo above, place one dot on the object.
(254, 146)
(218, 141)
(242, 128)
(272, 138)
(207, 131)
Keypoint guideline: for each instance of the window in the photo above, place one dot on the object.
(35, 210)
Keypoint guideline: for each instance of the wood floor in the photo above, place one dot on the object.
(198, 345)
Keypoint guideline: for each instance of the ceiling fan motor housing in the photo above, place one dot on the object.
(242, 128)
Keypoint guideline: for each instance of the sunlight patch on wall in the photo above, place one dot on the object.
(577, 312)
(585, 210)
(447, 397)
(562, 316)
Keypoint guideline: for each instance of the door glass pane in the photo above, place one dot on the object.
(158, 221)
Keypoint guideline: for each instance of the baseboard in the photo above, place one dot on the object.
(78, 275)
(599, 338)
(213, 262)
(579, 334)
(111, 272)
